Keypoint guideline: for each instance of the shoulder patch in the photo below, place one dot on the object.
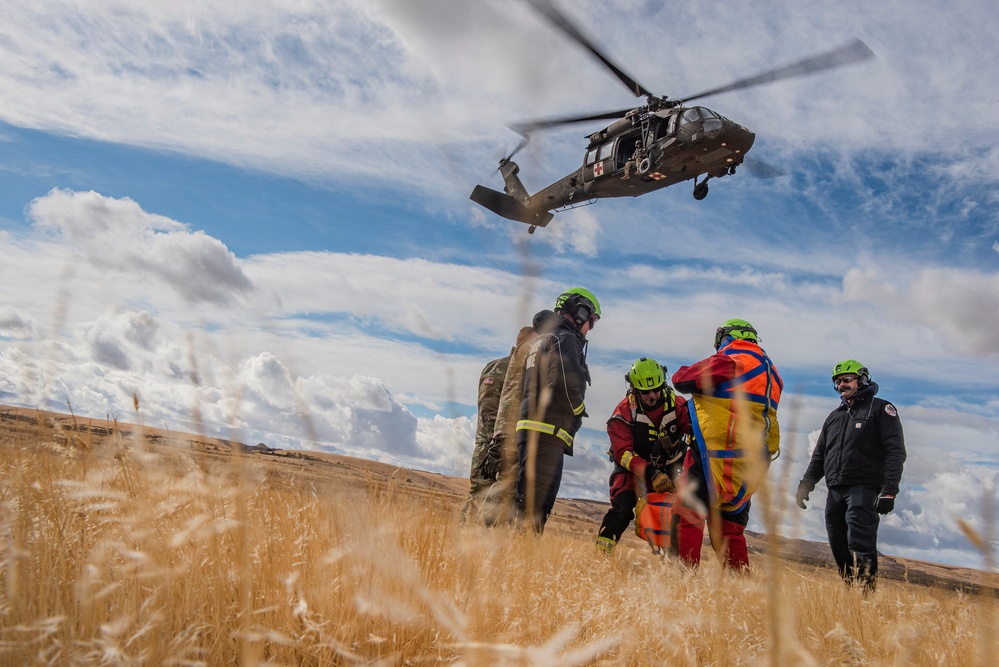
(890, 409)
(488, 380)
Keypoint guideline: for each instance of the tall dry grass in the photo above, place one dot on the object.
(122, 554)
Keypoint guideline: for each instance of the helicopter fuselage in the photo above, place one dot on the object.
(647, 150)
(664, 147)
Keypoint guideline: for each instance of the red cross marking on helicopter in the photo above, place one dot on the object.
(598, 169)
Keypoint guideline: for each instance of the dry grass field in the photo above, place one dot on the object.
(124, 545)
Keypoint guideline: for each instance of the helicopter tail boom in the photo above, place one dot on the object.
(508, 207)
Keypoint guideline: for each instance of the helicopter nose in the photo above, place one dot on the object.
(736, 138)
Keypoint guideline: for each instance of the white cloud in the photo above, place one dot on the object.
(117, 235)
(16, 324)
(961, 306)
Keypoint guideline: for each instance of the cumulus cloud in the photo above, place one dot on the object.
(117, 235)
(15, 323)
(961, 306)
(181, 384)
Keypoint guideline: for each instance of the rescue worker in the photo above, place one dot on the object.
(552, 411)
(736, 435)
(491, 381)
(649, 431)
(500, 461)
(860, 452)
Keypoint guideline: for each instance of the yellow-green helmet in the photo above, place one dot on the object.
(646, 374)
(580, 304)
(852, 367)
(736, 328)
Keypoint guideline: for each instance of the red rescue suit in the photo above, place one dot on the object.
(643, 438)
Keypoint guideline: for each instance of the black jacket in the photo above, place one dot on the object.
(860, 445)
(557, 361)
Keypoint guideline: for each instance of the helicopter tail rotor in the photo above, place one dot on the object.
(524, 140)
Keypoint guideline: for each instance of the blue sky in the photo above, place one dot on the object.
(258, 217)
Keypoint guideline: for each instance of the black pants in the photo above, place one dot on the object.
(620, 514)
(547, 479)
(852, 524)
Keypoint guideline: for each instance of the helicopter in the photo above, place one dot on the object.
(649, 147)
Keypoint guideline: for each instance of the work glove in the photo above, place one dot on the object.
(804, 488)
(489, 468)
(659, 481)
(885, 503)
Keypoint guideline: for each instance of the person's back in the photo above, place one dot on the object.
(736, 411)
(735, 396)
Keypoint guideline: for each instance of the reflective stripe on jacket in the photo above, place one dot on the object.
(550, 429)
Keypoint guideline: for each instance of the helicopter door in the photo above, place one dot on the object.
(599, 161)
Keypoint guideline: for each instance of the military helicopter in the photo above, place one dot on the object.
(660, 143)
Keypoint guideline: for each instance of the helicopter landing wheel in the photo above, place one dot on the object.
(530, 230)
(701, 191)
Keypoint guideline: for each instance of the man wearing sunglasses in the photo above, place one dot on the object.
(649, 432)
(552, 410)
(860, 452)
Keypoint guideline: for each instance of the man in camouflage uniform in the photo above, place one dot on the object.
(483, 475)
(500, 462)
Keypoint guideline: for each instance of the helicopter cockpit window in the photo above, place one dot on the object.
(712, 123)
(691, 115)
(591, 156)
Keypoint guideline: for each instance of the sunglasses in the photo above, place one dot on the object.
(844, 378)
(649, 392)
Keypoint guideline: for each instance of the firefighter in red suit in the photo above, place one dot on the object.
(736, 436)
(649, 432)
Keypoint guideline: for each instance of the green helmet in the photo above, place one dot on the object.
(580, 303)
(646, 374)
(736, 328)
(852, 367)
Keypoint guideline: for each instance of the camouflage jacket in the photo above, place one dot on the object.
(491, 382)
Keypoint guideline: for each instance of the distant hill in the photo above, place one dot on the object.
(300, 467)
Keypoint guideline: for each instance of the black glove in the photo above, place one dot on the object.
(885, 503)
(489, 468)
(804, 488)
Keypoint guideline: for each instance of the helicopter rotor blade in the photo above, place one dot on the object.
(546, 8)
(854, 52)
(524, 140)
(524, 129)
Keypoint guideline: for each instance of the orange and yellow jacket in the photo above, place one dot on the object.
(735, 394)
